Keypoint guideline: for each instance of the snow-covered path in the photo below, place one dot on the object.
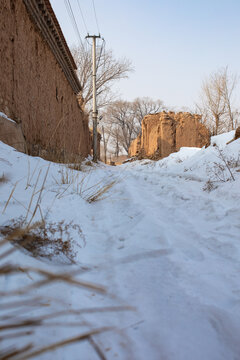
(187, 290)
(159, 243)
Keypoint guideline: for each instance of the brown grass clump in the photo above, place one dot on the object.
(17, 323)
(88, 163)
(3, 179)
(210, 186)
(75, 166)
(93, 193)
(99, 192)
(14, 328)
(19, 335)
(45, 240)
(67, 176)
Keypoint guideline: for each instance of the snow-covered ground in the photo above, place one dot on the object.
(164, 241)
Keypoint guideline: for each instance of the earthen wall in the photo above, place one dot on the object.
(34, 90)
(165, 133)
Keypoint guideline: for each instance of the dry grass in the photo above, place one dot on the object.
(80, 185)
(210, 186)
(9, 198)
(30, 175)
(18, 326)
(3, 179)
(88, 163)
(45, 240)
(222, 170)
(95, 192)
(75, 166)
(98, 192)
(13, 327)
(67, 176)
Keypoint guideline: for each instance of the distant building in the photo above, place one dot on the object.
(166, 132)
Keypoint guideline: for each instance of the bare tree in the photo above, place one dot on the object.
(109, 70)
(122, 120)
(106, 133)
(144, 106)
(216, 101)
(229, 83)
(120, 114)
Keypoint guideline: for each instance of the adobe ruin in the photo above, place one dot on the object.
(166, 132)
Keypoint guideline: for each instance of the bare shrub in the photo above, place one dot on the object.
(228, 163)
(209, 186)
(223, 171)
(19, 336)
(67, 176)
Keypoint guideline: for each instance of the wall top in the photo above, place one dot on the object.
(43, 16)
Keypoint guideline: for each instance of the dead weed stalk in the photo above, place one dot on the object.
(14, 327)
(19, 328)
(99, 192)
(3, 179)
(221, 171)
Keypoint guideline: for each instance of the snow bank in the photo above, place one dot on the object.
(157, 240)
(223, 139)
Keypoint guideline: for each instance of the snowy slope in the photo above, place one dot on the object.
(157, 240)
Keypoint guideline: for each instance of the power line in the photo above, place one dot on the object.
(73, 20)
(101, 50)
(84, 23)
(95, 14)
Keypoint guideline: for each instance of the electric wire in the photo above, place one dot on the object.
(95, 14)
(84, 22)
(100, 54)
(73, 20)
(76, 29)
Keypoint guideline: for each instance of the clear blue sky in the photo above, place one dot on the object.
(173, 44)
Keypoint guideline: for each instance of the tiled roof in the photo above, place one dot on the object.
(45, 19)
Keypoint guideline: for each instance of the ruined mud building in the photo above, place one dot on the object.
(166, 132)
(38, 82)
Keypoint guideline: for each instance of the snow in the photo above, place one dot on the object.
(157, 241)
(7, 118)
(223, 139)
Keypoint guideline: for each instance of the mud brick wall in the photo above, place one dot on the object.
(34, 90)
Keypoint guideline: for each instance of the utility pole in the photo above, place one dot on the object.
(94, 108)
